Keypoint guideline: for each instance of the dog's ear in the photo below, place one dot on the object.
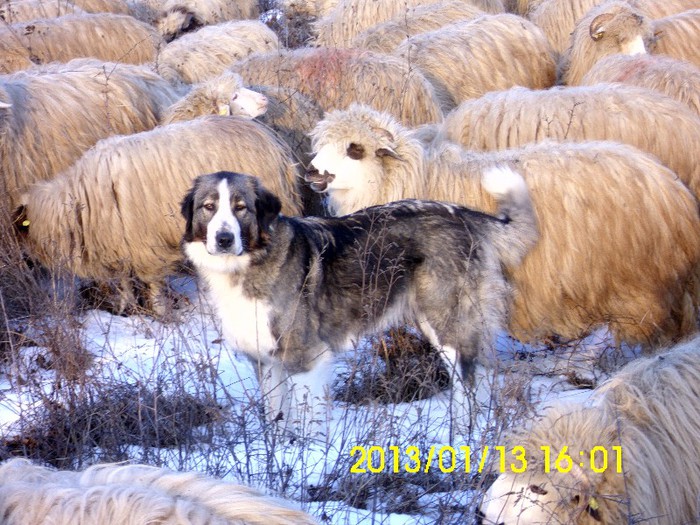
(187, 210)
(267, 207)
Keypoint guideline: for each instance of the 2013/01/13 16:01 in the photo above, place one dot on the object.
(373, 459)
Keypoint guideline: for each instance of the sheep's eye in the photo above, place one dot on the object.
(356, 151)
(209, 206)
(536, 489)
(234, 97)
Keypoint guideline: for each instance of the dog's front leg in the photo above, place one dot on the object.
(275, 391)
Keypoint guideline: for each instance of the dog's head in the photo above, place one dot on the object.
(228, 215)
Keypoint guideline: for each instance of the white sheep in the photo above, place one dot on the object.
(679, 36)
(123, 493)
(642, 118)
(385, 37)
(114, 215)
(224, 95)
(629, 455)
(677, 79)
(351, 17)
(180, 16)
(104, 36)
(655, 9)
(557, 19)
(464, 60)
(15, 11)
(619, 243)
(334, 78)
(50, 115)
(206, 53)
(610, 28)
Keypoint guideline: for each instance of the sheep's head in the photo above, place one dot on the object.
(354, 151)
(619, 28)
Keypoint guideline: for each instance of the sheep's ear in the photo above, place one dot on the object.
(597, 28)
(387, 152)
(267, 207)
(20, 220)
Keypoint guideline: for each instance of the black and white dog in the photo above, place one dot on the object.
(291, 290)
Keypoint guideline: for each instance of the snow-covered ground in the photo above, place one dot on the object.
(414, 472)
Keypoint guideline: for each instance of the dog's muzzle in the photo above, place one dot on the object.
(224, 240)
(318, 182)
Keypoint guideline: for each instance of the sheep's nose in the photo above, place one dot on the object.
(224, 240)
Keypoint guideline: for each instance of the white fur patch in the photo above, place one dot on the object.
(224, 221)
(502, 180)
(634, 47)
(245, 321)
(223, 263)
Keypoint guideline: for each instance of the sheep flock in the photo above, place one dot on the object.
(109, 109)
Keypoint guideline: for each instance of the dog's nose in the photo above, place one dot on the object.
(224, 240)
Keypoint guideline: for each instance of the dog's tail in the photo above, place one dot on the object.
(516, 230)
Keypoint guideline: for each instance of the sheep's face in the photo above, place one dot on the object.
(248, 103)
(537, 500)
(624, 31)
(349, 173)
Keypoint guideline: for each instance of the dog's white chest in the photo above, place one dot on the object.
(245, 321)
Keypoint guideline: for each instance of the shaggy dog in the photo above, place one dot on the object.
(290, 291)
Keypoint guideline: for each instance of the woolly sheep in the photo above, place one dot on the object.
(655, 9)
(619, 243)
(679, 36)
(113, 214)
(308, 8)
(613, 27)
(645, 421)
(209, 51)
(105, 36)
(351, 17)
(557, 19)
(113, 493)
(386, 37)
(642, 118)
(50, 115)
(224, 95)
(467, 59)
(677, 79)
(180, 16)
(335, 78)
(15, 11)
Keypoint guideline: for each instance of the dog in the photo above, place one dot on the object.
(291, 291)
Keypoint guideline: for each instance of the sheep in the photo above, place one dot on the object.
(15, 11)
(132, 493)
(557, 19)
(112, 215)
(307, 8)
(655, 9)
(467, 59)
(180, 16)
(105, 36)
(224, 95)
(677, 79)
(351, 17)
(208, 52)
(641, 117)
(679, 36)
(638, 438)
(386, 37)
(50, 115)
(619, 243)
(335, 78)
(613, 27)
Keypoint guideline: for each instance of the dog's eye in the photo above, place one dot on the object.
(209, 206)
(239, 206)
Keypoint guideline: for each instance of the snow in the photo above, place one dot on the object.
(190, 356)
